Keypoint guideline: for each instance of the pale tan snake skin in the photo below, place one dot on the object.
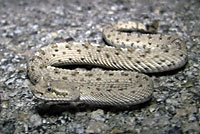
(128, 57)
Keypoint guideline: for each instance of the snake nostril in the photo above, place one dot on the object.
(49, 89)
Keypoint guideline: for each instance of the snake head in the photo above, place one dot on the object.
(56, 90)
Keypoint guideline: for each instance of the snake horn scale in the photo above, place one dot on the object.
(128, 58)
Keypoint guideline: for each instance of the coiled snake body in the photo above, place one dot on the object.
(128, 57)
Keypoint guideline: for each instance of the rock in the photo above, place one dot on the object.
(192, 118)
(8, 127)
(98, 115)
(193, 126)
(35, 120)
(149, 122)
(76, 128)
(181, 112)
(164, 121)
(96, 127)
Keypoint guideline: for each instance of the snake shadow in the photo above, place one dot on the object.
(51, 109)
(169, 73)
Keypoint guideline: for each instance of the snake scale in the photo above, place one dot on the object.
(132, 52)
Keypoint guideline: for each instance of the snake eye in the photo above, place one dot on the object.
(49, 89)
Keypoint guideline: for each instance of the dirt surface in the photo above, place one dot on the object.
(26, 25)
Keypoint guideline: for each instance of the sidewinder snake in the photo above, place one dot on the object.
(133, 52)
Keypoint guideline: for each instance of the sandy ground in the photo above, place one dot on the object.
(26, 25)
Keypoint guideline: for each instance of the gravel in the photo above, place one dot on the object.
(28, 25)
